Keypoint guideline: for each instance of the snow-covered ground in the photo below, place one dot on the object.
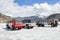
(37, 33)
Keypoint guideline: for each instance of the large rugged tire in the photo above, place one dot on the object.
(13, 28)
(56, 23)
(23, 26)
(53, 25)
(31, 27)
(28, 27)
(8, 27)
(40, 25)
(19, 28)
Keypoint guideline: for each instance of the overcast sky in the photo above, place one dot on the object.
(25, 8)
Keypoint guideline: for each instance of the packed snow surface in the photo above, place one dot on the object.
(37, 33)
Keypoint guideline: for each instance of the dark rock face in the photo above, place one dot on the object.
(54, 16)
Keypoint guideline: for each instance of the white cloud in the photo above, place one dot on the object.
(10, 8)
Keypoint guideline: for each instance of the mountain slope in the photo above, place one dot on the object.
(54, 16)
(32, 18)
(4, 18)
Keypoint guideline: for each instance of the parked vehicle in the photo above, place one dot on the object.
(15, 25)
(28, 24)
(53, 23)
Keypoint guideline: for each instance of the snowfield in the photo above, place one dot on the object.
(37, 33)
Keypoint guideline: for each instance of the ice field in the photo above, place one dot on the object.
(37, 33)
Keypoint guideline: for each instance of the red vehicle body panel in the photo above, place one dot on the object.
(16, 25)
(20, 25)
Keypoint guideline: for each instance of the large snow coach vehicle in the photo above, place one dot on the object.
(28, 24)
(15, 25)
(53, 23)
